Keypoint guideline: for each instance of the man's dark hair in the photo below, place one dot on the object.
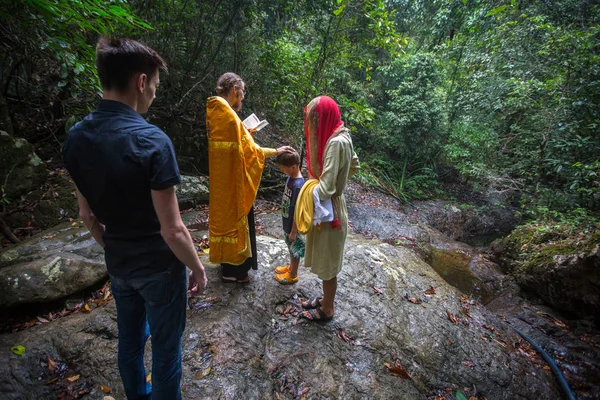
(118, 59)
(288, 158)
(227, 82)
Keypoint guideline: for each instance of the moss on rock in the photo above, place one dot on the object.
(556, 261)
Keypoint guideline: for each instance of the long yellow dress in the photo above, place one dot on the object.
(325, 246)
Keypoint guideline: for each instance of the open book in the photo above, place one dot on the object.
(252, 122)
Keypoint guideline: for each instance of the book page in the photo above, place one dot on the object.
(251, 122)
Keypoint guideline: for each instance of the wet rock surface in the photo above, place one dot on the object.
(572, 342)
(245, 341)
(467, 223)
(51, 265)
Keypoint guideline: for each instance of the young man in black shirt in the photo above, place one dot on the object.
(125, 171)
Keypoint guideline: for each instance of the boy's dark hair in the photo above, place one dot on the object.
(118, 59)
(227, 82)
(288, 158)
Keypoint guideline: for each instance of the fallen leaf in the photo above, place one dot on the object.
(345, 337)
(398, 370)
(500, 342)
(73, 378)
(430, 291)
(51, 364)
(18, 350)
(86, 308)
(302, 393)
(547, 368)
(105, 389)
(377, 290)
(206, 251)
(413, 300)
(43, 320)
(452, 317)
(468, 363)
(466, 310)
(108, 398)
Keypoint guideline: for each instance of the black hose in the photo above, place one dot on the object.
(559, 376)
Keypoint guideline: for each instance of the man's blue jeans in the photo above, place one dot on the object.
(151, 305)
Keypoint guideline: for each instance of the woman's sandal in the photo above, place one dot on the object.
(313, 303)
(225, 279)
(316, 314)
(282, 269)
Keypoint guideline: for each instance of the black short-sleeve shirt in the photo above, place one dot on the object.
(116, 158)
(288, 202)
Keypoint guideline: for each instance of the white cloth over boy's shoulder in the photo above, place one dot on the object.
(323, 211)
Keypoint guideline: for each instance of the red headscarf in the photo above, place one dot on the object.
(322, 119)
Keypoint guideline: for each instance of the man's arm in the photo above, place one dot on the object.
(89, 219)
(177, 236)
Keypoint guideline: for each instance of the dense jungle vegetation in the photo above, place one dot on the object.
(502, 94)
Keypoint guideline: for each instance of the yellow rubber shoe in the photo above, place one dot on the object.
(286, 279)
(282, 269)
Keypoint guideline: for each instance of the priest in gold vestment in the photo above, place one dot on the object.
(235, 165)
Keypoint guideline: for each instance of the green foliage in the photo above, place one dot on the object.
(404, 185)
(49, 48)
(409, 121)
(527, 76)
(507, 93)
(473, 149)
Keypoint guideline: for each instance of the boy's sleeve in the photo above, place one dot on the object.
(162, 168)
(295, 194)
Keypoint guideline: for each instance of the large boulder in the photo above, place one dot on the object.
(21, 170)
(562, 268)
(245, 341)
(192, 191)
(51, 265)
